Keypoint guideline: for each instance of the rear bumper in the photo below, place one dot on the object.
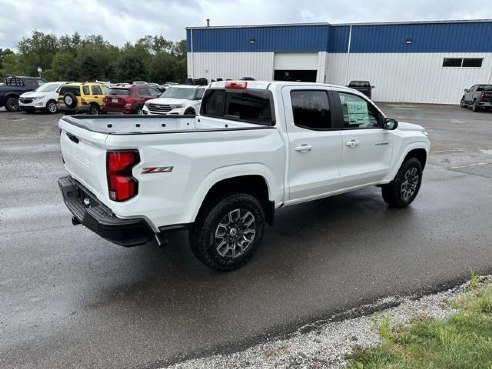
(112, 109)
(90, 212)
(485, 104)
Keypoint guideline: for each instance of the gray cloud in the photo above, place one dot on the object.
(119, 21)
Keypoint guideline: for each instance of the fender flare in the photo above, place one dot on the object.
(228, 172)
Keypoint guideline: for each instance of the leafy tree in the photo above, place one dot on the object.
(130, 67)
(11, 64)
(37, 51)
(90, 69)
(63, 67)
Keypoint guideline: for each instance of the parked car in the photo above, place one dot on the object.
(45, 98)
(86, 97)
(362, 86)
(14, 86)
(255, 147)
(129, 99)
(176, 100)
(477, 97)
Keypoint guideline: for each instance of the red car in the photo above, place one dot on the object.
(128, 99)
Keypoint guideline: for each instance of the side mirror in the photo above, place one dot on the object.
(390, 124)
(373, 86)
(466, 90)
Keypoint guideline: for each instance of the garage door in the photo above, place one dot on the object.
(295, 67)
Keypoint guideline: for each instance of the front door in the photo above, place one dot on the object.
(366, 146)
(314, 145)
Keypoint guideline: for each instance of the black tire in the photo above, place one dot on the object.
(139, 110)
(51, 107)
(216, 236)
(12, 104)
(462, 103)
(475, 106)
(93, 109)
(190, 112)
(402, 190)
(70, 100)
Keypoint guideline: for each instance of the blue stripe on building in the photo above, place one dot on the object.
(375, 38)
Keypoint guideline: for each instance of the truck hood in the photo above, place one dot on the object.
(403, 126)
(168, 101)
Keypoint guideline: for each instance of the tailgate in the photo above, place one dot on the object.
(84, 153)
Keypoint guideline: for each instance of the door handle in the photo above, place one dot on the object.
(303, 148)
(352, 143)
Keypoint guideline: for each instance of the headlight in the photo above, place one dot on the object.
(36, 98)
(177, 106)
(426, 133)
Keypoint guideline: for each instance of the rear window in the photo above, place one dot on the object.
(119, 91)
(252, 106)
(359, 84)
(485, 88)
(73, 89)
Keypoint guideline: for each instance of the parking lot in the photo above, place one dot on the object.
(71, 299)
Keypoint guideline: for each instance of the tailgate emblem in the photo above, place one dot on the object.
(151, 170)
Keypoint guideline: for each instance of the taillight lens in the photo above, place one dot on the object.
(482, 96)
(121, 185)
(130, 100)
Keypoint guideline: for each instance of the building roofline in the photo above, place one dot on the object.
(453, 21)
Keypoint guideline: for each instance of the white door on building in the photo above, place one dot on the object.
(295, 67)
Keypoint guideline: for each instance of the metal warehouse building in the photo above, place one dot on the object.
(422, 62)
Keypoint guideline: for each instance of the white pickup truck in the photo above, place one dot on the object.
(254, 147)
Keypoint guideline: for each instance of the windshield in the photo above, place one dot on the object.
(119, 91)
(179, 93)
(48, 87)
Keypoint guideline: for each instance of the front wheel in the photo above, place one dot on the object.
(190, 112)
(400, 192)
(462, 103)
(227, 232)
(51, 107)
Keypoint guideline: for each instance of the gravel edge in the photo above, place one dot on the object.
(325, 344)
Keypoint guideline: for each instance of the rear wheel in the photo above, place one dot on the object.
(475, 106)
(12, 104)
(51, 107)
(402, 190)
(227, 232)
(139, 111)
(94, 109)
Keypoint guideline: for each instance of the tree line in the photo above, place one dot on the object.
(76, 58)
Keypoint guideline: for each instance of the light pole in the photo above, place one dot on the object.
(39, 71)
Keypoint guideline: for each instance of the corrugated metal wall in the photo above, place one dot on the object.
(304, 38)
(418, 77)
(423, 37)
(242, 64)
(231, 65)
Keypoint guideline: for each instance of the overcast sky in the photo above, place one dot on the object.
(119, 21)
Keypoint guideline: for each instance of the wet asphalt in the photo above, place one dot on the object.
(69, 299)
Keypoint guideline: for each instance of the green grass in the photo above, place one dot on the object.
(464, 341)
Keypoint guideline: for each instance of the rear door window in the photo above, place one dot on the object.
(85, 90)
(252, 106)
(96, 90)
(311, 109)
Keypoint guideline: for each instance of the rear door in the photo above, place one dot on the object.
(314, 146)
(366, 146)
(469, 94)
(97, 95)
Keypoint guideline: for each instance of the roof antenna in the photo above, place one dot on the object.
(208, 22)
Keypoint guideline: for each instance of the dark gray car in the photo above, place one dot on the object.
(477, 97)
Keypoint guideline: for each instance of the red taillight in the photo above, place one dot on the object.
(482, 96)
(236, 85)
(121, 185)
(130, 100)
